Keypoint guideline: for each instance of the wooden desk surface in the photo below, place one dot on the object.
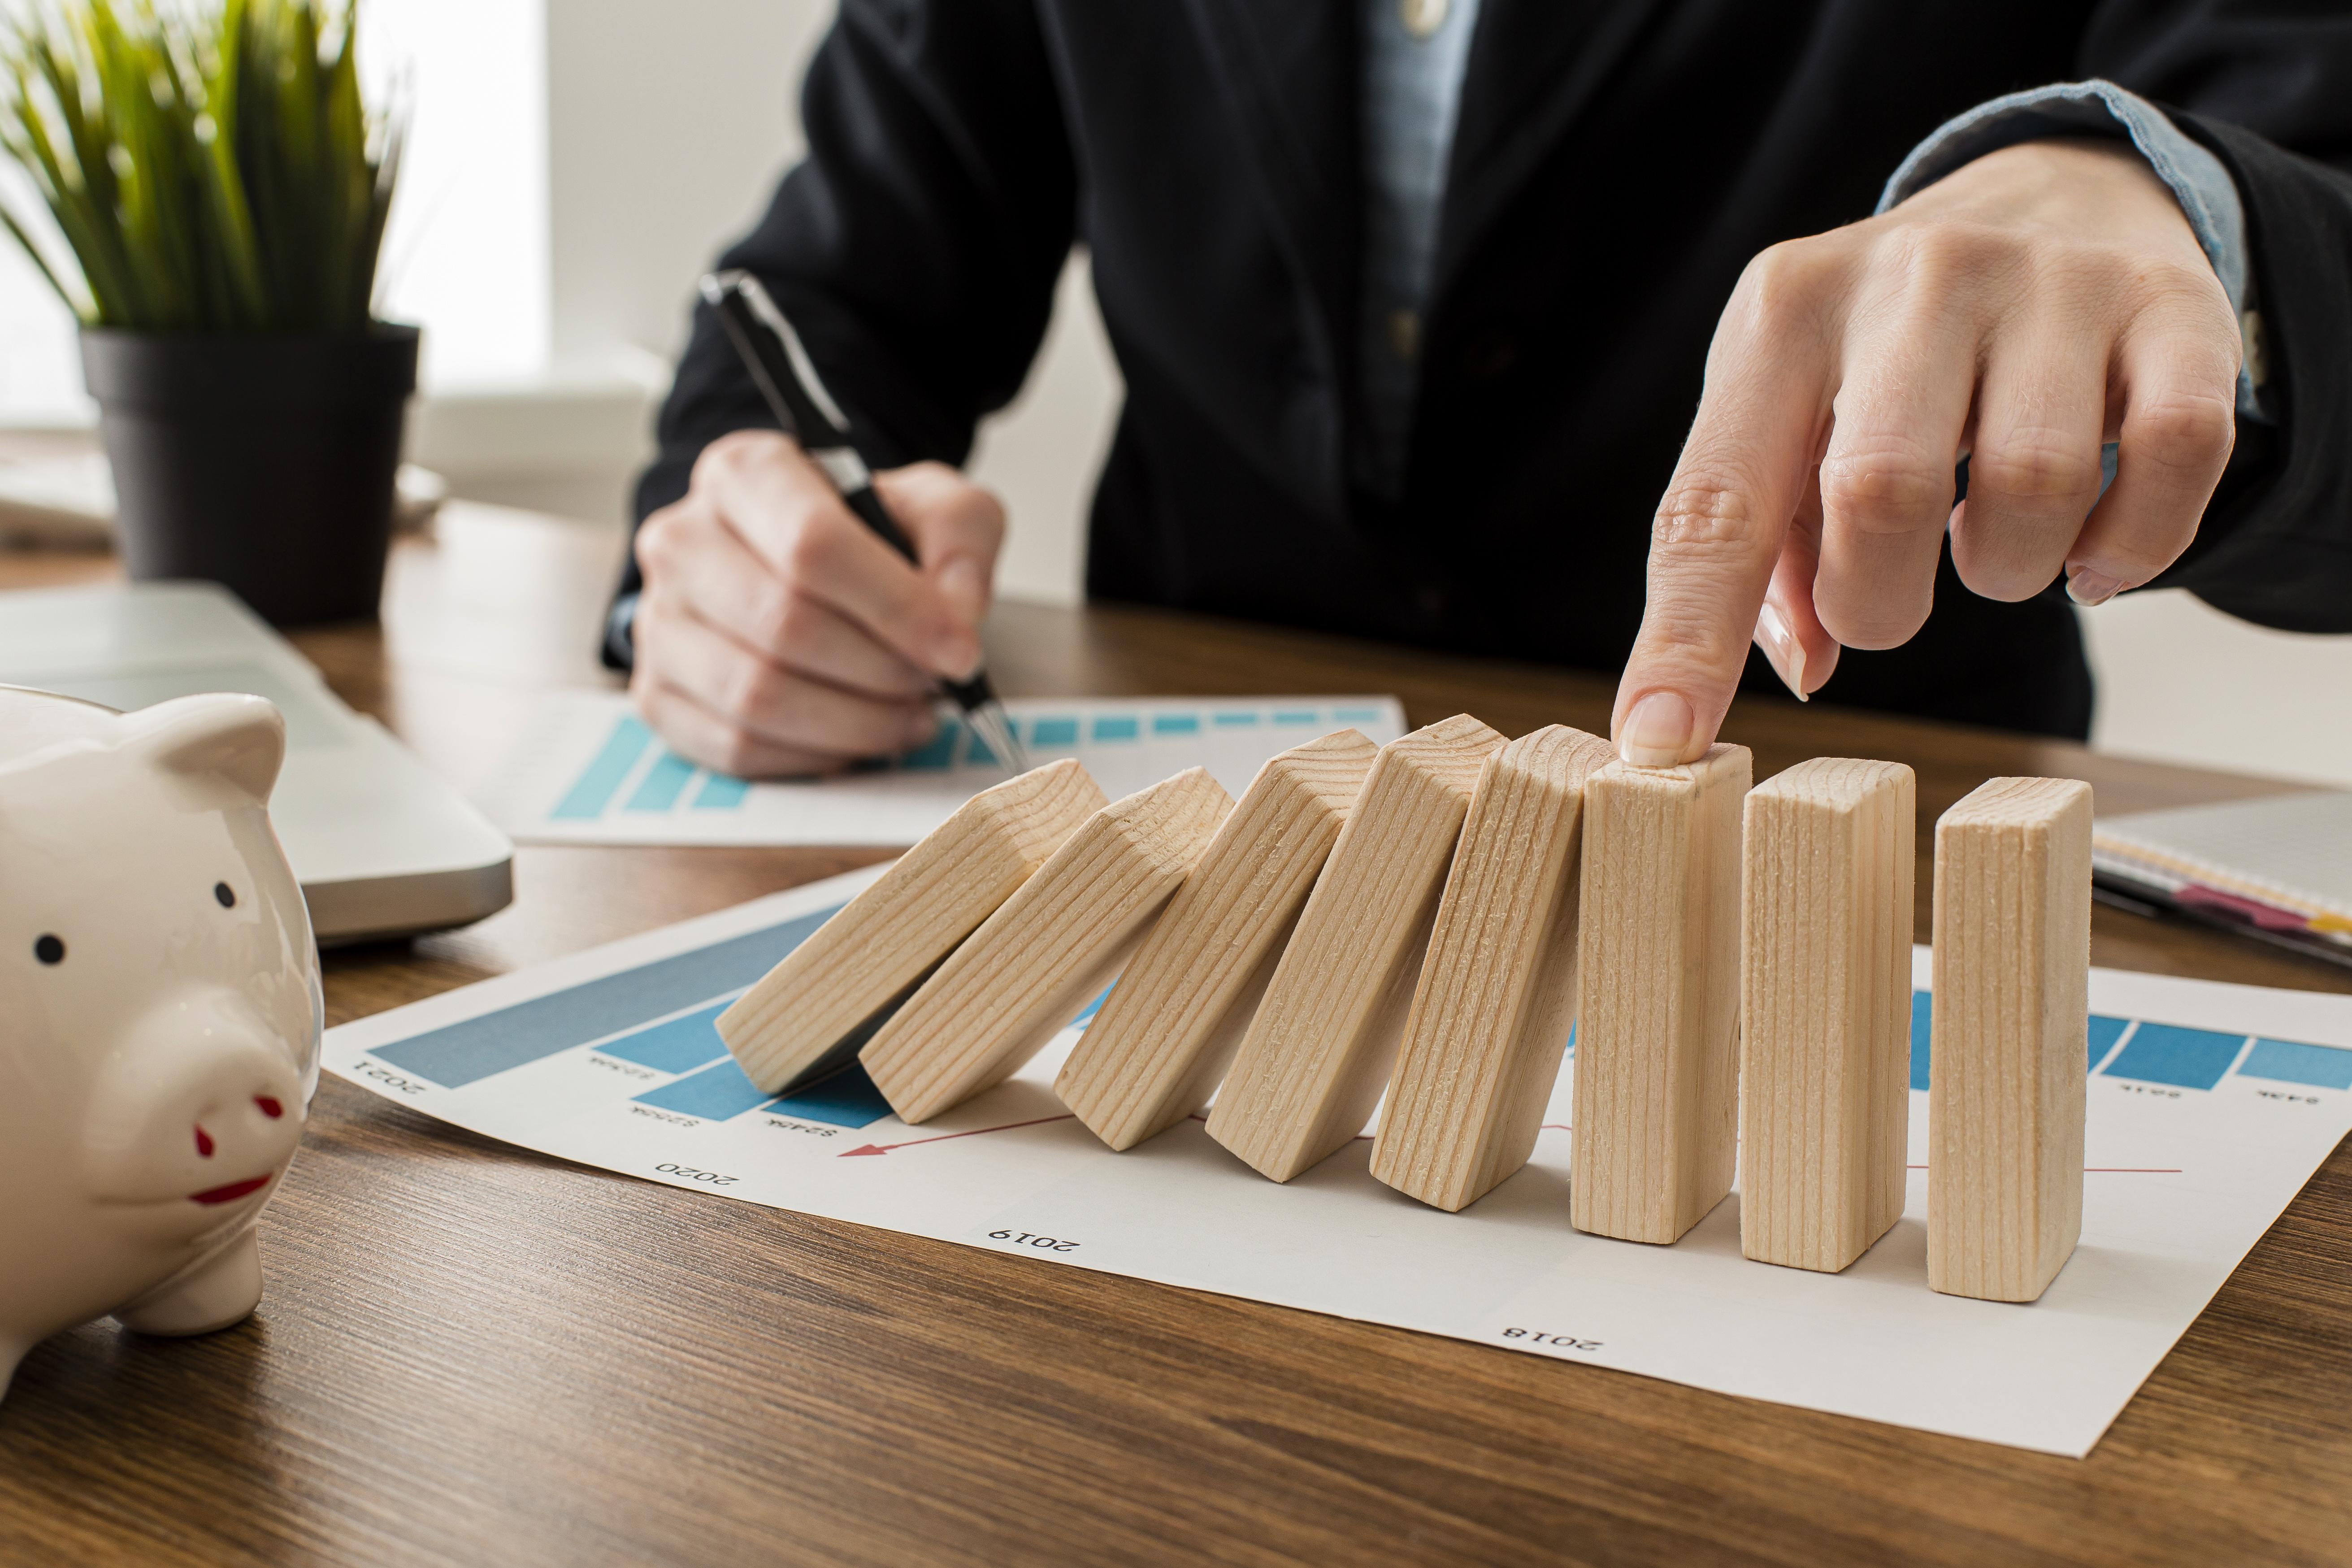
(472, 1354)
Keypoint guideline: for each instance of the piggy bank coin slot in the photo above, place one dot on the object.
(225, 895)
(48, 948)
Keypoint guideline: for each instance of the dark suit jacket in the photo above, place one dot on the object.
(1614, 167)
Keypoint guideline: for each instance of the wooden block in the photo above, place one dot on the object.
(810, 1014)
(2006, 1052)
(1497, 993)
(1049, 948)
(1155, 1053)
(1657, 1029)
(1825, 1010)
(1315, 1059)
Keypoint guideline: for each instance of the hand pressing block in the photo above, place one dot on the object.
(1657, 1029)
(812, 1011)
(1155, 1053)
(2011, 1012)
(1316, 1055)
(1497, 993)
(1825, 1014)
(1055, 942)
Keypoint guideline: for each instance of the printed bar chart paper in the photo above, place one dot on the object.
(2210, 1107)
(587, 770)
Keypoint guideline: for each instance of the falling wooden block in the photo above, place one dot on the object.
(1657, 1029)
(1497, 993)
(1825, 1010)
(1057, 941)
(1155, 1053)
(1316, 1056)
(2005, 1056)
(809, 1013)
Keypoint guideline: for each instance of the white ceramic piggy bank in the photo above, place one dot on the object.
(159, 1013)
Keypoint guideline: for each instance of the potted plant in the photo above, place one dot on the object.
(220, 191)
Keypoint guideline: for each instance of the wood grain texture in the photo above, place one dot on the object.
(1496, 997)
(2011, 1016)
(1657, 1034)
(1825, 1010)
(1317, 1053)
(471, 1353)
(1159, 1046)
(808, 1013)
(1046, 950)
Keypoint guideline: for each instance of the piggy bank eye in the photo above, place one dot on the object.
(48, 949)
(225, 895)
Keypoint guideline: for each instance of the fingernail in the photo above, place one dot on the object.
(1783, 652)
(1658, 730)
(2088, 588)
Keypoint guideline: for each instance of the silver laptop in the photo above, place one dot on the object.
(382, 845)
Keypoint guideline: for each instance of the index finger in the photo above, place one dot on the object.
(781, 505)
(1720, 528)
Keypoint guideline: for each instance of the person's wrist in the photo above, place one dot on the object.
(2081, 186)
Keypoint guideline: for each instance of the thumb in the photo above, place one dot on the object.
(957, 528)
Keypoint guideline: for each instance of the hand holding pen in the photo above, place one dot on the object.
(772, 352)
(777, 634)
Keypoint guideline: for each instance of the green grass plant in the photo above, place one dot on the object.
(208, 170)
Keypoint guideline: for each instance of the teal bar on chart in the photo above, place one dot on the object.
(1108, 728)
(2169, 1054)
(2287, 1061)
(662, 783)
(1233, 720)
(721, 792)
(681, 1045)
(1175, 723)
(1054, 733)
(938, 751)
(593, 791)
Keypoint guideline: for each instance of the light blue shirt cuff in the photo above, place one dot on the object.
(2207, 194)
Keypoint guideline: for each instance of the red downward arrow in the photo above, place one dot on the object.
(886, 1148)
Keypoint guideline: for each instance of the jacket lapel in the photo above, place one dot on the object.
(1534, 65)
(1287, 71)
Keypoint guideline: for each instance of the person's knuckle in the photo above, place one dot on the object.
(2035, 465)
(812, 543)
(1784, 284)
(756, 686)
(1885, 484)
(1707, 514)
(2184, 430)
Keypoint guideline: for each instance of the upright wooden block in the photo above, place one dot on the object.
(1657, 1029)
(1315, 1059)
(1058, 940)
(1155, 1053)
(1497, 993)
(1825, 1010)
(2005, 1058)
(809, 1013)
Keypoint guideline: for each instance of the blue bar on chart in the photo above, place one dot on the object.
(938, 751)
(980, 753)
(720, 1092)
(1110, 728)
(1357, 715)
(848, 1099)
(1922, 1035)
(662, 783)
(1294, 716)
(463, 1053)
(717, 1092)
(593, 790)
(2104, 1033)
(2169, 1054)
(721, 792)
(681, 1045)
(2286, 1061)
(1233, 720)
(1054, 733)
(1176, 724)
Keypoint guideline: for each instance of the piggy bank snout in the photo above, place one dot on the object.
(199, 1104)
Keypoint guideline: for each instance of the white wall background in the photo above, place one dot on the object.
(574, 164)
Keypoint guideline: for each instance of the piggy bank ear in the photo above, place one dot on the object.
(218, 743)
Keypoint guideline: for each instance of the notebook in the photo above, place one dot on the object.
(2279, 867)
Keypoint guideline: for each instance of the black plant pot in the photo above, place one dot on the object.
(264, 463)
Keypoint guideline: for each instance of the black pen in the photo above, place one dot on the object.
(797, 395)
